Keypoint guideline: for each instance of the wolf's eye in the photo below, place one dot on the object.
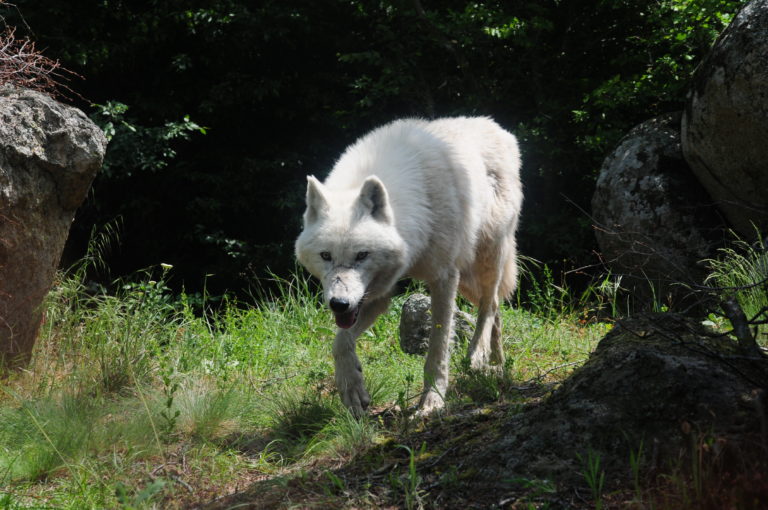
(361, 255)
(325, 255)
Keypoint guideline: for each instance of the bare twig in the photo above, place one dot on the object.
(23, 65)
(184, 484)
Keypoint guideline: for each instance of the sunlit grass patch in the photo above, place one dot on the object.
(134, 397)
(344, 436)
(547, 350)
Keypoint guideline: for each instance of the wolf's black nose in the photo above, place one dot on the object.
(339, 305)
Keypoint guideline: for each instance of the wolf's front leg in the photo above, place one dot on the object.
(436, 366)
(349, 372)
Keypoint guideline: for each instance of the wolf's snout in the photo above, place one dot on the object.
(339, 305)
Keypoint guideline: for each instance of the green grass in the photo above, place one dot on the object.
(137, 400)
(742, 269)
(141, 399)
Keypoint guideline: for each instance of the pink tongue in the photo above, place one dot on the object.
(345, 320)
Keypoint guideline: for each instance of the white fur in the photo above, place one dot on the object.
(434, 200)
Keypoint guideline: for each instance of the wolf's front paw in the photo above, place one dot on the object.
(431, 402)
(479, 360)
(355, 398)
(485, 362)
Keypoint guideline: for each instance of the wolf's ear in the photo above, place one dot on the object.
(373, 200)
(317, 204)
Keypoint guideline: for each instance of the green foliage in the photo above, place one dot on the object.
(485, 386)
(545, 298)
(537, 488)
(9, 502)
(743, 268)
(660, 56)
(135, 148)
(46, 435)
(410, 484)
(285, 87)
(204, 411)
(299, 415)
(133, 500)
(344, 436)
(169, 413)
(594, 475)
(124, 384)
(549, 300)
(406, 396)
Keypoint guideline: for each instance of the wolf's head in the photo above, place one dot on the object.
(351, 244)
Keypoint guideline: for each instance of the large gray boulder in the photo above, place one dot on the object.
(416, 324)
(654, 221)
(726, 120)
(49, 155)
(658, 380)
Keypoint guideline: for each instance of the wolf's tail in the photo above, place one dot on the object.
(509, 276)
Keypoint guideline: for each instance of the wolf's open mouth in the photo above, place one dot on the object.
(347, 319)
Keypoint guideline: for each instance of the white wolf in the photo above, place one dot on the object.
(434, 200)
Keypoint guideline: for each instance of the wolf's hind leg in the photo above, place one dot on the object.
(485, 349)
(497, 346)
(349, 372)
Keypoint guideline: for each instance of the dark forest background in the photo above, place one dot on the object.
(217, 110)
